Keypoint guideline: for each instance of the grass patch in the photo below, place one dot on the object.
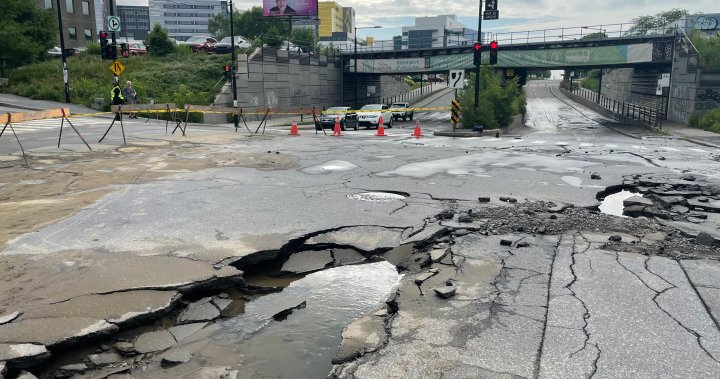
(178, 78)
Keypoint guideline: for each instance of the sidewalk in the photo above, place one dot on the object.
(24, 103)
(698, 136)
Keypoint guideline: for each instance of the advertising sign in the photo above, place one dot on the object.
(286, 8)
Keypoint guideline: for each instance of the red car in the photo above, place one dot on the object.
(137, 48)
(201, 44)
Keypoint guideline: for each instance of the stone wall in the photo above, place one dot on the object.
(693, 89)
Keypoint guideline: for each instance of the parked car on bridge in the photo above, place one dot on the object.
(370, 115)
(398, 111)
(329, 116)
(225, 45)
(201, 44)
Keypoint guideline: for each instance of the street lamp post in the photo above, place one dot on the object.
(232, 70)
(66, 80)
(477, 64)
(355, 76)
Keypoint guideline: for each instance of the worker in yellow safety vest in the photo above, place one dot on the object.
(116, 94)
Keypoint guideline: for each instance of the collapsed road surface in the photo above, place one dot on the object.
(223, 255)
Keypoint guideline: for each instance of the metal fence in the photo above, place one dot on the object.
(624, 111)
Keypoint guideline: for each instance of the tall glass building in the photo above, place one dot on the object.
(184, 19)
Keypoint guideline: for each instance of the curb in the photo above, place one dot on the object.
(698, 142)
(11, 105)
(622, 132)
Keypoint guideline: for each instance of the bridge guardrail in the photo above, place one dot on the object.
(625, 111)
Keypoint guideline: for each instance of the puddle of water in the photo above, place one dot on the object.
(376, 197)
(613, 204)
(330, 166)
(303, 345)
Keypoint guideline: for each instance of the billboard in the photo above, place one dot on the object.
(285, 8)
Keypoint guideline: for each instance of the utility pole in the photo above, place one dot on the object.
(477, 64)
(232, 52)
(66, 79)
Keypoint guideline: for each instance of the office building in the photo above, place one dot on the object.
(135, 21)
(438, 31)
(184, 19)
(78, 18)
(337, 24)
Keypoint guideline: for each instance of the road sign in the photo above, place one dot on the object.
(457, 79)
(113, 23)
(455, 112)
(491, 5)
(491, 15)
(117, 68)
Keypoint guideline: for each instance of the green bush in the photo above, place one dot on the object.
(710, 120)
(694, 120)
(92, 48)
(498, 102)
(158, 42)
(180, 78)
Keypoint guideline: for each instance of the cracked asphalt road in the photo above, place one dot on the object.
(142, 226)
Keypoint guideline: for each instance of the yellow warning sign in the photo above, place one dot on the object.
(117, 68)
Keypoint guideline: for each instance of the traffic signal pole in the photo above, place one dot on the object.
(477, 64)
(66, 79)
(232, 67)
(112, 13)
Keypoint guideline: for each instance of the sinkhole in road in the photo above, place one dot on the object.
(613, 204)
(301, 345)
(379, 196)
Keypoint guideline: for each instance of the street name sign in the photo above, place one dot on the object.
(113, 23)
(491, 15)
(117, 68)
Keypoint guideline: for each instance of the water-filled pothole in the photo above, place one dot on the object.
(613, 204)
(379, 196)
(301, 346)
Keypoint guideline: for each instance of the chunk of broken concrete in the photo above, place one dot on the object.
(154, 341)
(180, 332)
(104, 359)
(505, 242)
(484, 199)
(4, 319)
(221, 303)
(175, 356)
(445, 292)
(438, 254)
(282, 315)
(637, 200)
(446, 215)
(307, 261)
(23, 355)
(126, 349)
(465, 219)
(595, 177)
(26, 375)
(70, 370)
(347, 257)
(423, 277)
(362, 336)
(615, 238)
(52, 332)
(197, 312)
(381, 312)
(508, 199)
(706, 239)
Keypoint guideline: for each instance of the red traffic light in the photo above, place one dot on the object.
(477, 46)
(103, 35)
(494, 45)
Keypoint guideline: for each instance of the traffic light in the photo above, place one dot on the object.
(228, 72)
(104, 45)
(493, 52)
(125, 50)
(477, 48)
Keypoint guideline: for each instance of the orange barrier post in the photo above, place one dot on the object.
(381, 128)
(336, 131)
(417, 133)
(294, 130)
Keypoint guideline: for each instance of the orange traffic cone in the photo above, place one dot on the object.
(417, 133)
(381, 128)
(336, 131)
(294, 130)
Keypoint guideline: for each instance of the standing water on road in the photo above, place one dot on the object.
(301, 346)
(613, 204)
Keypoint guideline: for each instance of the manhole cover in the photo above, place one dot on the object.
(378, 197)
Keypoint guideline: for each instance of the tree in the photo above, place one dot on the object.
(159, 44)
(304, 38)
(26, 32)
(498, 102)
(645, 25)
(596, 35)
(250, 24)
(219, 25)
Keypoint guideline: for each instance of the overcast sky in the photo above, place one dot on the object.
(515, 15)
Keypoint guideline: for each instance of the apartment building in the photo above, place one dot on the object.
(78, 18)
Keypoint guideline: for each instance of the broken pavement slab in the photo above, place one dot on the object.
(202, 310)
(364, 335)
(53, 332)
(22, 355)
(363, 238)
(4, 319)
(307, 261)
(154, 341)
